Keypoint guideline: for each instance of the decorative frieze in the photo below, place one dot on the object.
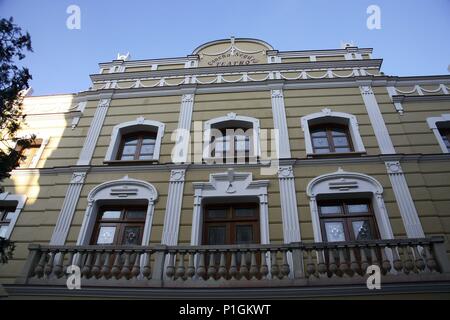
(404, 200)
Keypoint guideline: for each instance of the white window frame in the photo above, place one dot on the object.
(34, 162)
(326, 115)
(433, 124)
(231, 117)
(19, 200)
(353, 185)
(140, 124)
(123, 191)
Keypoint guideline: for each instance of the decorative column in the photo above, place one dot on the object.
(377, 121)
(173, 207)
(94, 132)
(196, 218)
(280, 123)
(405, 202)
(68, 209)
(184, 129)
(289, 212)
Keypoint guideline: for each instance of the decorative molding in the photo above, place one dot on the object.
(78, 178)
(80, 106)
(377, 121)
(135, 191)
(280, 124)
(94, 132)
(326, 115)
(325, 185)
(173, 207)
(433, 124)
(19, 201)
(140, 124)
(404, 200)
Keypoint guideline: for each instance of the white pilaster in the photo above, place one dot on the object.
(289, 212)
(94, 132)
(68, 209)
(280, 123)
(398, 106)
(173, 207)
(405, 202)
(184, 128)
(377, 121)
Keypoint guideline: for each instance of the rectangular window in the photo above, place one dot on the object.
(6, 216)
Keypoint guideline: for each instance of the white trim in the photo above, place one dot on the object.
(180, 152)
(432, 123)
(132, 126)
(342, 182)
(225, 185)
(288, 201)
(326, 115)
(20, 200)
(118, 191)
(283, 147)
(231, 117)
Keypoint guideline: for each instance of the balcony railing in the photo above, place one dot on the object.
(296, 264)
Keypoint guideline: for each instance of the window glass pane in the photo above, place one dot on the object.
(111, 214)
(322, 150)
(132, 235)
(125, 157)
(342, 149)
(242, 143)
(131, 141)
(129, 149)
(361, 230)
(335, 231)
(340, 141)
(336, 132)
(244, 212)
(319, 133)
(244, 234)
(146, 157)
(330, 209)
(149, 141)
(353, 208)
(147, 149)
(136, 214)
(217, 235)
(320, 142)
(217, 213)
(3, 229)
(106, 235)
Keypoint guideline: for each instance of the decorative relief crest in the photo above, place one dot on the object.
(277, 93)
(78, 177)
(187, 98)
(366, 90)
(140, 120)
(326, 111)
(104, 103)
(231, 115)
(177, 175)
(394, 167)
(285, 172)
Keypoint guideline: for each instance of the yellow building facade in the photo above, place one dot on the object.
(144, 182)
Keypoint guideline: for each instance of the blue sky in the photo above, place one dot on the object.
(413, 39)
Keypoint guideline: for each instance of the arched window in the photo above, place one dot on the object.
(138, 140)
(231, 139)
(331, 132)
(441, 129)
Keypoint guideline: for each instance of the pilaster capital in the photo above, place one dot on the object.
(277, 93)
(78, 178)
(393, 167)
(285, 172)
(177, 175)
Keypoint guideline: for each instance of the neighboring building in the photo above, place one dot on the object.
(120, 183)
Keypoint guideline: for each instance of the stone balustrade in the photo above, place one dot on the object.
(294, 264)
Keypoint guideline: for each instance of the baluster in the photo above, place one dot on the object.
(285, 270)
(86, 270)
(243, 270)
(419, 261)
(106, 268)
(147, 269)
(264, 268)
(222, 266)
(408, 264)
(254, 270)
(431, 262)
(321, 266)
(201, 270)
(191, 267)
(136, 266)
(333, 266)
(364, 262)
(126, 270)
(385, 263)
(170, 270)
(211, 266)
(39, 270)
(373, 256)
(343, 265)
(58, 269)
(115, 271)
(310, 266)
(233, 266)
(354, 265)
(274, 269)
(180, 269)
(97, 263)
(49, 266)
(398, 264)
